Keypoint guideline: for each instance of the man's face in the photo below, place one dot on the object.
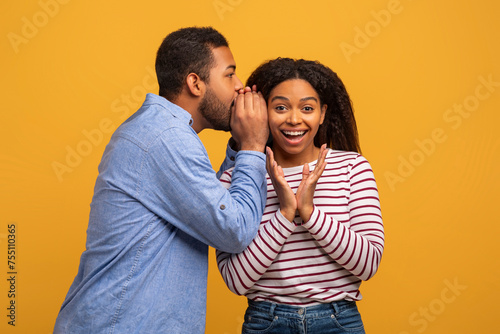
(222, 89)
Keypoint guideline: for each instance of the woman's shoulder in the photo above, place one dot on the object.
(343, 156)
(346, 159)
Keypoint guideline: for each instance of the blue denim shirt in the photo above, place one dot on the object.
(157, 205)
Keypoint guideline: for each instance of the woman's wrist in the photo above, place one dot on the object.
(288, 214)
(306, 213)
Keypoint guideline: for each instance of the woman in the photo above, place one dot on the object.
(322, 232)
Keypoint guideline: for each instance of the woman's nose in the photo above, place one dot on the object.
(294, 117)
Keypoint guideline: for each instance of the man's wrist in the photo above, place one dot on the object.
(255, 147)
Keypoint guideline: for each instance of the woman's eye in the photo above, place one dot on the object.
(308, 109)
(280, 108)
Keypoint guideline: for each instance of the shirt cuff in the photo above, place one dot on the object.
(230, 153)
(310, 224)
(289, 225)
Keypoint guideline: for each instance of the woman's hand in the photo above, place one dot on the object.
(305, 192)
(286, 197)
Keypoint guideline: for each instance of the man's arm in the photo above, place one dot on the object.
(185, 191)
(179, 185)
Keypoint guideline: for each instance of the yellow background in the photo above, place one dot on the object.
(73, 70)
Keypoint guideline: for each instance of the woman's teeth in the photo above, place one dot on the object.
(294, 133)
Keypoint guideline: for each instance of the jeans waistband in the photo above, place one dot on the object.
(275, 308)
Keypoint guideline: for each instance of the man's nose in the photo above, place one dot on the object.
(239, 84)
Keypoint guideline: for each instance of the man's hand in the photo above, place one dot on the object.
(249, 126)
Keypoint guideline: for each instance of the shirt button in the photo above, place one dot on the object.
(222, 207)
(231, 158)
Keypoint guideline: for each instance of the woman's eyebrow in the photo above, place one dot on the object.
(280, 98)
(309, 98)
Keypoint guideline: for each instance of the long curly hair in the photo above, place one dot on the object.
(339, 129)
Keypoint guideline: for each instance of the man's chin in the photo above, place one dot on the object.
(222, 126)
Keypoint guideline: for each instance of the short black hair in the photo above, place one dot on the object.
(187, 50)
(339, 129)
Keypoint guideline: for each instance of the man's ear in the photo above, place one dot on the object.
(195, 85)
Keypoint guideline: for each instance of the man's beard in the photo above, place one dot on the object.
(215, 111)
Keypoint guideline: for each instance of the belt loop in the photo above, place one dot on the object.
(335, 307)
(271, 309)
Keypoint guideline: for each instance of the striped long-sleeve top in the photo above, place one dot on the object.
(321, 260)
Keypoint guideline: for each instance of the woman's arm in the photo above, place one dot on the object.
(358, 244)
(241, 271)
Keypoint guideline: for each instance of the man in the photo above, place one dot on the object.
(157, 202)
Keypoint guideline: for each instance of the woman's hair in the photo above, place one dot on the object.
(187, 50)
(339, 129)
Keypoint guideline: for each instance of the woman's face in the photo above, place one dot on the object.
(295, 115)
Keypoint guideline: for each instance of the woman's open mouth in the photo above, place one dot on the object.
(293, 136)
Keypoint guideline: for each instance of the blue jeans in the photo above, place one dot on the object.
(332, 318)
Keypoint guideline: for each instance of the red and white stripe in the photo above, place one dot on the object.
(324, 259)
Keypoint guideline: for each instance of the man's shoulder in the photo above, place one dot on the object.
(154, 120)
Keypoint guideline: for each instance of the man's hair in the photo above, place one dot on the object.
(187, 50)
(339, 129)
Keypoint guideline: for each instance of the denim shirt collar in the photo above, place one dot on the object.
(170, 107)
